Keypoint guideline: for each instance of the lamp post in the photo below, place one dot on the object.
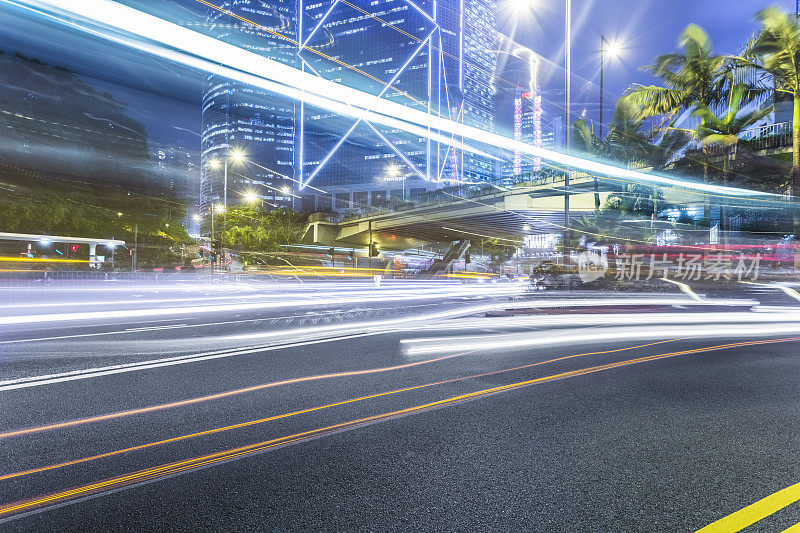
(235, 156)
(613, 51)
(612, 48)
(567, 128)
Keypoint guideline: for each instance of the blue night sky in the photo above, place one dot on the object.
(167, 98)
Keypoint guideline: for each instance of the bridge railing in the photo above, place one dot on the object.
(442, 197)
(767, 137)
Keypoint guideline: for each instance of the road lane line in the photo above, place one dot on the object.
(684, 288)
(37, 381)
(218, 396)
(8, 510)
(792, 529)
(191, 401)
(754, 512)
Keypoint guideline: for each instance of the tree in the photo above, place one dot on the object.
(776, 49)
(627, 141)
(584, 140)
(694, 77)
(725, 130)
(249, 229)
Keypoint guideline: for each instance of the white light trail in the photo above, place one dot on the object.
(572, 337)
(177, 43)
(280, 302)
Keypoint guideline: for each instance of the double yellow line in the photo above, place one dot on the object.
(234, 453)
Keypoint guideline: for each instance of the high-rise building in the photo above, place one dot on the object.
(238, 116)
(437, 57)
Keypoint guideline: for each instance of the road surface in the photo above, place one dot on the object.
(440, 408)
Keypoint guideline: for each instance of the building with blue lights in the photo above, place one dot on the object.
(237, 116)
(435, 56)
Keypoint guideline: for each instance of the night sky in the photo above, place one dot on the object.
(166, 98)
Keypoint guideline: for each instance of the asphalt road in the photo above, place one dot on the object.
(356, 429)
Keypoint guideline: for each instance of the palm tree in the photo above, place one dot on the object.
(584, 140)
(725, 130)
(627, 140)
(776, 49)
(693, 78)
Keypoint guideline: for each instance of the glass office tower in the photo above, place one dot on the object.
(238, 116)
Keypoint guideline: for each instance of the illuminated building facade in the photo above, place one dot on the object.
(434, 56)
(237, 116)
(437, 57)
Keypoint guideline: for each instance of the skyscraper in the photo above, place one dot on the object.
(437, 57)
(237, 116)
(433, 56)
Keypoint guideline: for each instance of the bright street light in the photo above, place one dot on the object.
(251, 197)
(237, 156)
(219, 208)
(196, 217)
(286, 190)
(214, 163)
(119, 214)
(613, 49)
(393, 170)
(522, 5)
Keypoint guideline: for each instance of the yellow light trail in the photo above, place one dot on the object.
(227, 455)
(13, 259)
(262, 420)
(218, 396)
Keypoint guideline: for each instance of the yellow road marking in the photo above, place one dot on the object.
(204, 460)
(754, 512)
(790, 292)
(262, 420)
(792, 529)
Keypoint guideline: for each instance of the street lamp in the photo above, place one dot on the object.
(567, 128)
(235, 155)
(613, 49)
(393, 173)
(251, 197)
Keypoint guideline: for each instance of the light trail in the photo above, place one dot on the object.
(219, 396)
(375, 294)
(174, 42)
(192, 401)
(313, 335)
(169, 469)
(13, 259)
(509, 341)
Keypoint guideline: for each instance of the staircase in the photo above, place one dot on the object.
(452, 254)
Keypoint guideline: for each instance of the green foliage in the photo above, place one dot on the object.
(250, 229)
(776, 49)
(693, 76)
(499, 251)
(52, 208)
